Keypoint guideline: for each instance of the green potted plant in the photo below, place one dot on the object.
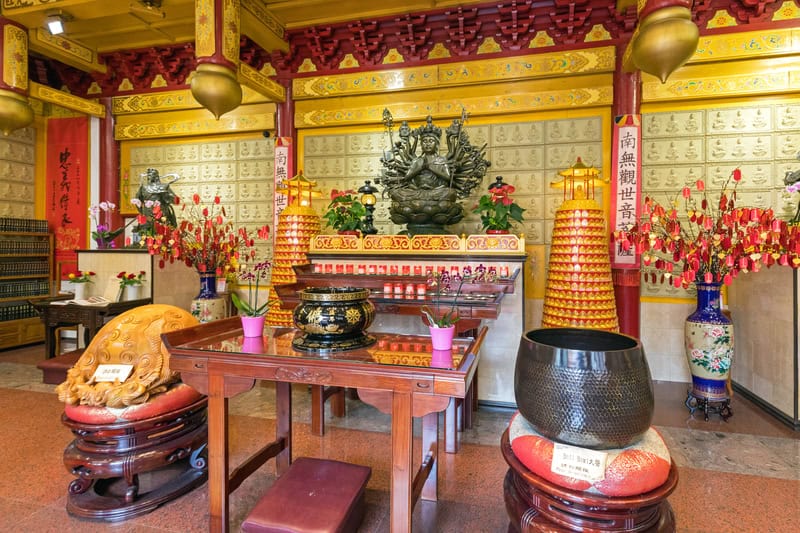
(345, 212)
(131, 283)
(252, 313)
(497, 209)
(442, 322)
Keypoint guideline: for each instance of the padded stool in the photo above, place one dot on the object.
(318, 495)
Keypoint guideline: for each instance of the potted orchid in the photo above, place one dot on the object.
(498, 211)
(442, 321)
(100, 215)
(251, 311)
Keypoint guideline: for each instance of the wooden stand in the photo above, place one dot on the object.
(128, 469)
(536, 505)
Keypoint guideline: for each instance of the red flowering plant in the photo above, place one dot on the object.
(712, 241)
(204, 238)
(345, 212)
(127, 279)
(497, 209)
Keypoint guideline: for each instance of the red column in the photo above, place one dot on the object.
(109, 167)
(627, 101)
(285, 119)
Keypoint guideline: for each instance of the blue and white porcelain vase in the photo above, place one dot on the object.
(708, 338)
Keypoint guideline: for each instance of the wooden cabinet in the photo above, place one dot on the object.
(26, 265)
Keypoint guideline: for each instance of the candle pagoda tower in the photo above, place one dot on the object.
(579, 291)
(298, 223)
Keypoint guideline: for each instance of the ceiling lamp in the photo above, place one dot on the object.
(55, 22)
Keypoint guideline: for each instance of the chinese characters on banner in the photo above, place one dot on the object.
(67, 187)
(626, 166)
(283, 171)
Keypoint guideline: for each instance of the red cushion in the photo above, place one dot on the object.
(179, 395)
(637, 469)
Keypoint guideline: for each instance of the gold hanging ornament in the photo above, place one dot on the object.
(665, 39)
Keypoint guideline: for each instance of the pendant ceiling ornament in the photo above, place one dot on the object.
(665, 39)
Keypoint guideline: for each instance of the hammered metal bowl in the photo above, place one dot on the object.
(584, 387)
(333, 319)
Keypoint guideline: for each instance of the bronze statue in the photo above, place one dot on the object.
(425, 187)
(153, 190)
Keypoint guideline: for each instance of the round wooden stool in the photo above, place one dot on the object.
(535, 505)
(126, 469)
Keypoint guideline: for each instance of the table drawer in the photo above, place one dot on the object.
(195, 365)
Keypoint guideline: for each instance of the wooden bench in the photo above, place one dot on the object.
(54, 370)
(317, 495)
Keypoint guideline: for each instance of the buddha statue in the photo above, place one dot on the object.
(425, 186)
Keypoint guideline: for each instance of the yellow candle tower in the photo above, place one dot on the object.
(297, 225)
(579, 291)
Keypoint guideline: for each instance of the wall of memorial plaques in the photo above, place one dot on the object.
(237, 169)
(17, 158)
(680, 147)
(528, 154)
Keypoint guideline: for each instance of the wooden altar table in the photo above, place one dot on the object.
(398, 374)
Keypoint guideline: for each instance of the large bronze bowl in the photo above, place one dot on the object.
(333, 319)
(584, 387)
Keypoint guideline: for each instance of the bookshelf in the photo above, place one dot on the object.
(26, 266)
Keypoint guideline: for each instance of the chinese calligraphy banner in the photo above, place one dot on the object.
(283, 171)
(67, 187)
(626, 166)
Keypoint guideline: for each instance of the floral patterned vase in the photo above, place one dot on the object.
(208, 305)
(708, 337)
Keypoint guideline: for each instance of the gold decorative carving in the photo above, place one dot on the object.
(787, 11)
(261, 83)
(541, 40)
(204, 23)
(489, 46)
(745, 45)
(598, 34)
(229, 28)
(364, 83)
(533, 66)
(778, 80)
(70, 52)
(440, 244)
(75, 103)
(536, 97)
(438, 52)
(257, 9)
(12, 5)
(307, 66)
(302, 375)
(721, 19)
(257, 117)
(15, 57)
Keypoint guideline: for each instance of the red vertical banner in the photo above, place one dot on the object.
(283, 171)
(626, 166)
(67, 187)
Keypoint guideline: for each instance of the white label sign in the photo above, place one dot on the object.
(112, 373)
(579, 463)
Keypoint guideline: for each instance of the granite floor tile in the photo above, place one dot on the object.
(737, 476)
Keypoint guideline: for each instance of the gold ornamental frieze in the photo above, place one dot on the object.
(751, 44)
(540, 95)
(763, 78)
(66, 50)
(230, 37)
(590, 61)
(66, 100)
(169, 101)
(161, 101)
(26, 5)
(364, 82)
(257, 117)
(529, 67)
(403, 244)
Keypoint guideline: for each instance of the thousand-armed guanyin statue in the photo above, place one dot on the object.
(425, 187)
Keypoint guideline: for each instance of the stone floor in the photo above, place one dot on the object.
(742, 475)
